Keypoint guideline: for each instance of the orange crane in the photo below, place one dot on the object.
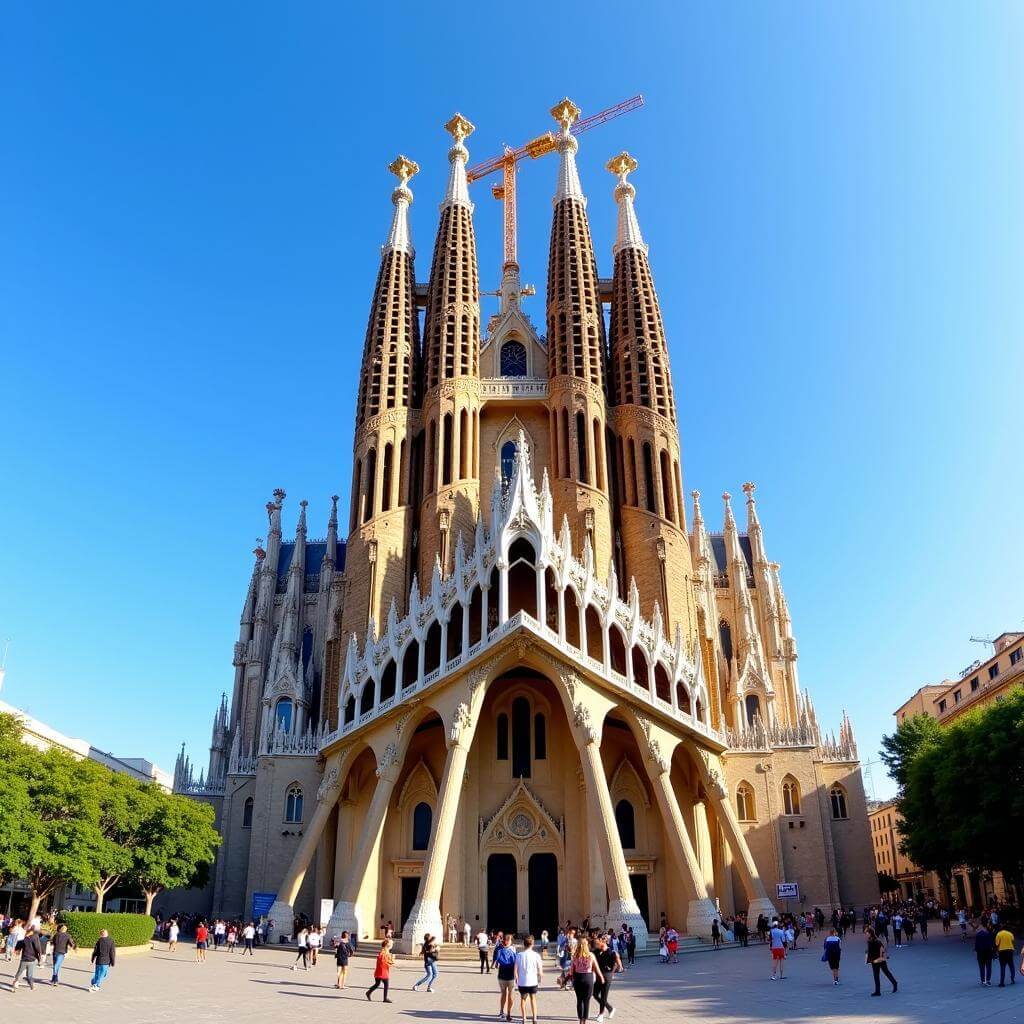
(506, 163)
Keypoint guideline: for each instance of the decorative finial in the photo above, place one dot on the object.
(726, 496)
(628, 234)
(303, 503)
(459, 128)
(403, 169)
(279, 494)
(622, 166)
(566, 113)
(748, 490)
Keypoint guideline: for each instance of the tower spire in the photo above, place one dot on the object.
(566, 113)
(628, 233)
(459, 128)
(399, 238)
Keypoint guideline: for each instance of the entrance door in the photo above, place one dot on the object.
(502, 906)
(410, 889)
(543, 883)
(639, 884)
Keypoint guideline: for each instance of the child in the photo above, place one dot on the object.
(382, 971)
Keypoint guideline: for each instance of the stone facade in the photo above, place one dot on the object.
(525, 690)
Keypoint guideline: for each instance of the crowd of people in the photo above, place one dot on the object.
(35, 941)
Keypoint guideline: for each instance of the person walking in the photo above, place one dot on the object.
(202, 938)
(716, 935)
(984, 948)
(62, 944)
(1004, 948)
(382, 971)
(467, 933)
(529, 975)
(342, 954)
(832, 953)
(897, 929)
(584, 972)
(482, 944)
(103, 955)
(505, 962)
(610, 964)
(877, 957)
(248, 936)
(172, 936)
(777, 945)
(31, 957)
(429, 963)
(314, 941)
(302, 939)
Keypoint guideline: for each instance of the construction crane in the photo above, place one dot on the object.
(506, 163)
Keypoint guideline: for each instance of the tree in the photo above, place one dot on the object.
(15, 804)
(911, 736)
(886, 883)
(177, 843)
(120, 822)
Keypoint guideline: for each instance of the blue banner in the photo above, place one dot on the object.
(261, 904)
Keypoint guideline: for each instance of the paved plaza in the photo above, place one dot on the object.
(938, 984)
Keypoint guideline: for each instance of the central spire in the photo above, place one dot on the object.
(459, 128)
(399, 238)
(566, 113)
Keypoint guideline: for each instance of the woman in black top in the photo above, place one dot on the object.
(31, 954)
(429, 964)
(610, 963)
(341, 955)
(879, 962)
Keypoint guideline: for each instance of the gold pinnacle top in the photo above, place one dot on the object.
(565, 112)
(459, 127)
(622, 165)
(403, 168)
(748, 489)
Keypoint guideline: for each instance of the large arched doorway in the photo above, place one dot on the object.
(542, 874)
(502, 905)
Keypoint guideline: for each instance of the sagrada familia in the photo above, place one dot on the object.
(525, 689)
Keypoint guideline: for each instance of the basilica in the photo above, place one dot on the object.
(530, 684)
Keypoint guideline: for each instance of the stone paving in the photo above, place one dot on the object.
(938, 985)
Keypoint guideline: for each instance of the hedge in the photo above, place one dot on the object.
(125, 929)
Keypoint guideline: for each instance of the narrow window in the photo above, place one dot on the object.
(626, 822)
(648, 479)
(247, 813)
(446, 448)
(581, 448)
(508, 461)
(385, 487)
(422, 818)
(293, 805)
(520, 738)
(540, 737)
(371, 481)
(837, 795)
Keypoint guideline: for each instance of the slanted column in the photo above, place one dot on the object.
(348, 915)
(282, 913)
(425, 915)
(622, 906)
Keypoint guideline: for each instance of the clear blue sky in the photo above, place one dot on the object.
(194, 195)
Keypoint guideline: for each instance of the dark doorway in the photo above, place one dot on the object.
(502, 906)
(410, 888)
(543, 885)
(639, 884)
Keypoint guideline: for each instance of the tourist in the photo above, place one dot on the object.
(172, 935)
(877, 956)
(505, 962)
(342, 953)
(482, 944)
(897, 929)
(529, 975)
(631, 947)
(451, 929)
(832, 953)
(961, 917)
(922, 923)
(610, 963)
(467, 933)
(63, 943)
(777, 945)
(14, 936)
(202, 937)
(944, 917)
(302, 940)
(584, 971)
(1004, 948)
(314, 941)
(984, 947)
(791, 935)
(31, 955)
(429, 964)
(219, 933)
(382, 971)
(248, 935)
(544, 939)
(103, 955)
(716, 935)
(232, 937)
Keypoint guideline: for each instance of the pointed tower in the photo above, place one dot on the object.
(381, 514)
(451, 346)
(577, 357)
(652, 516)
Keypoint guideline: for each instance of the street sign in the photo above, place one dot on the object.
(787, 891)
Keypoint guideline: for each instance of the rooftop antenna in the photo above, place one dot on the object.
(984, 640)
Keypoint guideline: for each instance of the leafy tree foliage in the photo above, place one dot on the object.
(886, 883)
(900, 749)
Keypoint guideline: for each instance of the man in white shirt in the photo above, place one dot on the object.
(481, 948)
(248, 934)
(777, 944)
(172, 936)
(529, 975)
(467, 931)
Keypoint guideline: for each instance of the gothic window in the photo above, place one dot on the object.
(513, 359)
(293, 805)
(410, 664)
(283, 713)
(581, 448)
(725, 635)
(649, 479)
(502, 741)
(790, 796)
(520, 738)
(753, 705)
(307, 647)
(447, 426)
(540, 737)
(662, 686)
(745, 808)
(508, 461)
(837, 796)
(522, 577)
(421, 821)
(366, 698)
(626, 822)
(350, 710)
(387, 681)
(617, 650)
(371, 482)
(247, 813)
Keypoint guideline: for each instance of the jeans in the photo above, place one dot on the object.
(985, 967)
(485, 964)
(100, 973)
(429, 976)
(58, 962)
(879, 969)
(583, 986)
(1006, 964)
(28, 968)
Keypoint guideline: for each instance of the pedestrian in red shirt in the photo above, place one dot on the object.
(382, 970)
(202, 938)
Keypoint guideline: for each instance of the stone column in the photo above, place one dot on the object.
(282, 913)
(425, 915)
(702, 831)
(622, 907)
(701, 911)
(346, 916)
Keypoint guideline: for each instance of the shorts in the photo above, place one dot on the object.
(506, 984)
(201, 945)
(528, 990)
(778, 954)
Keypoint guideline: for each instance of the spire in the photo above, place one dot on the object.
(331, 554)
(458, 128)
(566, 113)
(628, 234)
(299, 554)
(399, 238)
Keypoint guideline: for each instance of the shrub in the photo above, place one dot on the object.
(125, 929)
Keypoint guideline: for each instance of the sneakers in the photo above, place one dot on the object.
(611, 1013)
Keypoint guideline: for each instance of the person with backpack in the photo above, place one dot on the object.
(430, 956)
(877, 957)
(342, 954)
(832, 953)
(505, 962)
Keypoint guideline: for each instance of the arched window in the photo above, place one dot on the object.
(410, 664)
(366, 698)
(753, 705)
(508, 461)
(247, 813)
(513, 359)
(284, 711)
(540, 738)
(725, 635)
(790, 796)
(617, 650)
(662, 685)
(745, 809)
(293, 805)
(838, 797)
(502, 741)
(371, 483)
(639, 668)
(388, 679)
(626, 823)
(520, 738)
(350, 710)
(421, 821)
(522, 577)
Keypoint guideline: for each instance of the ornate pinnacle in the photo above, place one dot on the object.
(566, 113)
(403, 169)
(459, 128)
(748, 490)
(622, 165)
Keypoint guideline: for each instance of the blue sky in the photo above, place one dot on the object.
(194, 196)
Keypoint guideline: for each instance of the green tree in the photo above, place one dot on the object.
(120, 822)
(911, 736)
(15, 804)
(886, 883)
